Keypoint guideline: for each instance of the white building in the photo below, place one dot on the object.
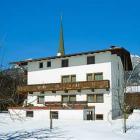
(133, 89)
(81, 86)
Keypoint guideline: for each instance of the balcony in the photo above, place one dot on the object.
(58, 106)
(100, 84)
(68, 105)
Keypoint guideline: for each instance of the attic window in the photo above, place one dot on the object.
(49, 64)
(65, 63)
(90, 59)
(41, 65)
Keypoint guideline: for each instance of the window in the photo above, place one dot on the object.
(99, 98)
(79, 90)
(49, 64)
(92, 90)
(54, 114)
(29, 114)
(65, 79)
(99, 116)
(64, 63)
(95, 98)
(91, 98)
(98, 76)
(72, 98)
(68, 78)
(65, 99)
(66, 91)
(68, 98)
(41, 65)
(90, 59)
(42, 92)
(40, 99)
(30, 92)
(107, 89)
(94, 76)
(73, 78)
(89, 77)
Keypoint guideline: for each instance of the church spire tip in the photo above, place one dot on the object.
(61, 50)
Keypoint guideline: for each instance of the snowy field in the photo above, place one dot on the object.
(31, 129)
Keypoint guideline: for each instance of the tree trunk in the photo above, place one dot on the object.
(124, 122)
(51, 122)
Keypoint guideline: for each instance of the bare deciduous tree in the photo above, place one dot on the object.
(9, 80)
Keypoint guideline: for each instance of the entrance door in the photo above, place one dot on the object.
(89, 114)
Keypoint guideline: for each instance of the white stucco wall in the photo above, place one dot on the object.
(109, 65)
(45, 114)
(77, 66)
(57, 97)
(100, 108)
(54, 75)
(62, 114)
(103, 108)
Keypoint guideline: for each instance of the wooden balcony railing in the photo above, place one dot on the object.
(58, 106)
(68, 105)
(133, 100)
(100, 84)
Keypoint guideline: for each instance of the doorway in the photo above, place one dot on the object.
(89, 114)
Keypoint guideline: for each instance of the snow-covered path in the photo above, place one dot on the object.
(31, 129)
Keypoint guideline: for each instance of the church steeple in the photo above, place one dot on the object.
(61, 50)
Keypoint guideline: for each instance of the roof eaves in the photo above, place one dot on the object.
(68, 55)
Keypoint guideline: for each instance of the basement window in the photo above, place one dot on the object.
(99, 116)
(29, 114)
(54, 114)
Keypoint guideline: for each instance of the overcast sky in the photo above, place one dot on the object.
(30, 28)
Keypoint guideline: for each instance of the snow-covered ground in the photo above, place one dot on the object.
(31, 129)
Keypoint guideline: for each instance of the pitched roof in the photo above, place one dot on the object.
(122, 52)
